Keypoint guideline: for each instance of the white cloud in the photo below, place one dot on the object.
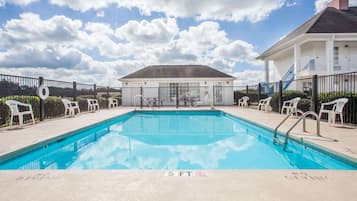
(17, 2)
(143, 32)
(62, 45)
(248, 77)
(320, 5)
(31, 29)
(229, 10)
(51, 57)
(239, 51)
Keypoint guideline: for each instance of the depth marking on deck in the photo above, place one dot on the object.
(185, 173)
(38, 176)
(305, 176)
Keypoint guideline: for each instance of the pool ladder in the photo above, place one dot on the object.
(303, 117)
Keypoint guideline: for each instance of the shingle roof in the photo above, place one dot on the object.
(330, 20)
(177, 71)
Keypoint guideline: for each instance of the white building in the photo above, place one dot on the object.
(191, 84)
(324, 45)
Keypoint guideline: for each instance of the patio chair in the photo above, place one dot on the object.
(337, 109)
(93, 105)
(243, 102)
(70, 107)
(112, 102)
(290, 106)
(15, 111)
(264, 104)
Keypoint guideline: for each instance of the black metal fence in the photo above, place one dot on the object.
(313, 90)
(23, 89)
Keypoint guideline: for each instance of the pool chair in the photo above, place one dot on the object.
(15, 111)
(70, 107)
(290, 106)
(264, 104)
(337, 109)
(93, 105)
(112, 102)
(243, 102)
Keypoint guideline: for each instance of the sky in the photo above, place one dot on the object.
(92, 41)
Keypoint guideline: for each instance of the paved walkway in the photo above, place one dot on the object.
(14, 139)
(95, 185)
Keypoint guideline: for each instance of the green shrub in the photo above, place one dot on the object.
(350, 109)
(5, 110)
(252, 94)
(53, 107)
(288, 95)
(304, 104)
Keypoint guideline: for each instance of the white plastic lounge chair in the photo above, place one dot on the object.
(14, 108)
(243, 102)
(70, 107)
(93, 105)
(337, 109)
(290, 106)
(264, 104)
(112, 102)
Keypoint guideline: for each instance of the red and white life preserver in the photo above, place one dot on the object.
(43, 92)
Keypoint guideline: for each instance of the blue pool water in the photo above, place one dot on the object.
(174, 140)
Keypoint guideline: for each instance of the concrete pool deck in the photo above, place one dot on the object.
(161, 185)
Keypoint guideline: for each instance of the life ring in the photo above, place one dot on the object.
(43, 92)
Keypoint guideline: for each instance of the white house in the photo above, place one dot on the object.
(191, 84)
(324, 45)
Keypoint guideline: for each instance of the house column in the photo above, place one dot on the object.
(267, 71)
(297, 59)
(329, 55)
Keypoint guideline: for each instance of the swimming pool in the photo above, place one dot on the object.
(174, 140)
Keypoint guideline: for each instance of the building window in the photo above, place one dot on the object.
(336, 56)
(172, 91)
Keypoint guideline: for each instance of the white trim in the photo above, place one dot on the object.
(309, 37)
(177, 79)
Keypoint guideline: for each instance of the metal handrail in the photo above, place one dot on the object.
(281, 123)
(303, 117)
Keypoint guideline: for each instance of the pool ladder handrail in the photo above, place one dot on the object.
(303, 117)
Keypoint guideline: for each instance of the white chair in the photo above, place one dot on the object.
(290, 106)
(337, 109)
(243, 102)
(264, 104)
(14, 109)
(112, 102)
(70, 107)
(93, 105)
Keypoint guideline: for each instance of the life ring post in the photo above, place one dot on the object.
(42, 102)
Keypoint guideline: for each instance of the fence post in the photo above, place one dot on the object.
(280, 95)
(95, 91)
(177, 97)
(74, 95)
(247, 90)
(259, 91)
(213, 98)
(314, 97)
(141, 97)
(42, 102)
(107, 97)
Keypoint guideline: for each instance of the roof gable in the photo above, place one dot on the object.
(177, 71)
(330, 20)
